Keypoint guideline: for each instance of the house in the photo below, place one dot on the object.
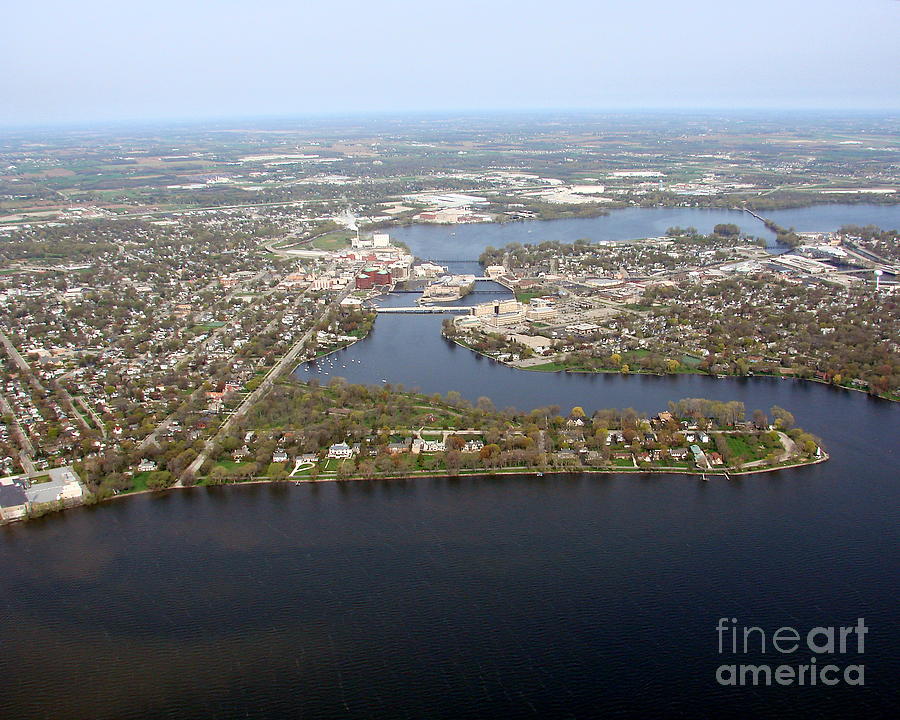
(434, 446)
(473, 446)
(279, 456)
(398, 447)
(13, 503)
(678, 453)
(308, 458)
(146, 466)
(566, 456)
(699, 457)
(240, 453)
(340, 450)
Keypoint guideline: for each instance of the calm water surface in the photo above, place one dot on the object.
(468, 241)
(566, 596)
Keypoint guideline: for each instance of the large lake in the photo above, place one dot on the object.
(566, 596)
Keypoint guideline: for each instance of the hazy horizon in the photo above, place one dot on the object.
(275, 122)
(100, 62)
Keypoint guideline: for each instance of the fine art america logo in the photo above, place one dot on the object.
(821, 652)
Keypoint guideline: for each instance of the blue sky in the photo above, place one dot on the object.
(94, 60)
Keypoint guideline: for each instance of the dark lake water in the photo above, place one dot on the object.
(558, 597)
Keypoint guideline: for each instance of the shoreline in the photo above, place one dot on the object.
(677, 374)
(714, 377)
(335, 350)
(426, 475)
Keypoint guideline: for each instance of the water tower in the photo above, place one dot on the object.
(878, 274)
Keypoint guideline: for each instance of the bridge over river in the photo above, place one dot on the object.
(425, 309)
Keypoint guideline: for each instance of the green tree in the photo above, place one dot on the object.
(783, 419)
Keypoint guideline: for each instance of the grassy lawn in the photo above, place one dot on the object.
(139, 481)
(304, 472)
(526, 295)
(37, 479)
(231, 465)
(746, 447)
(333, 240)
(275, 469)
(634, 354)
(549, 367)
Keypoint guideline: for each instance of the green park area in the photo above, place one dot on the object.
(335, 240)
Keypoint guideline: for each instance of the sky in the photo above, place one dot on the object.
(100, 61)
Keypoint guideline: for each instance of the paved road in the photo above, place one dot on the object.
(98, 421)
(14, 354)
(287, 362)
(790, 450)
(27, 449)
(151, 439)
(21, 363)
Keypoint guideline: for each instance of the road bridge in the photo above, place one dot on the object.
(419, 292)
(426, 310)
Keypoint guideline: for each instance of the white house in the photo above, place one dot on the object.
(340, 450)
